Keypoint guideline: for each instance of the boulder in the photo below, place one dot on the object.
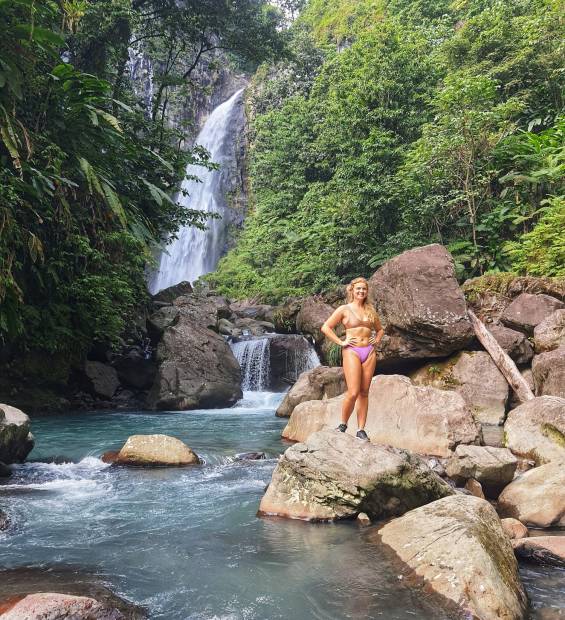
(513, 342)
(155, 450)
(223, 310)
(527, 311)
(421, 419)
(168, 295)
(475, 488)
(536, 429)
(513, 528)
(100, 379)
(421, 304)
(313, 313)
(537, 497)
(227, 328)
(541, 549)
(289, 356)
(474, 375)
(550, 333)
(16, 440)
(493, 467)
(55, 606)
(134, 369)
(5, 471)
(284, 317)
(246, 309)
(319, 383)
(253, 327)
(335, 476)
(158, 322)
(198, 308)
(457, 546)
(548, 370)
(196, 367)
(4, 521)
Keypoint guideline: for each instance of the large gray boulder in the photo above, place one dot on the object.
(537, 497)
(457, 546)
(335, 476)
(421, 305)
(513, 342)
(313, 313)
(475, 376)
(527, 311)
(196, 367)
(16, 440)
(493, 467)
(536, 429)
(169, 294)
(100, 379)
(420, 419)
(56, 606)
(154, 450)
(548, 369)
(550, 333)
(319, 383)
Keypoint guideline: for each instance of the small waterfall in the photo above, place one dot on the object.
(266, 364)
(254, 358)
(196, 252)
(140, 69)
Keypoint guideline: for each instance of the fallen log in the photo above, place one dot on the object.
(503, 362)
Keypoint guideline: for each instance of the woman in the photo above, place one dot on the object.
(363, 331)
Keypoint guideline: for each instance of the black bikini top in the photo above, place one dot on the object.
(357, 322)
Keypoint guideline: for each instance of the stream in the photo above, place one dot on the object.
(186, 543)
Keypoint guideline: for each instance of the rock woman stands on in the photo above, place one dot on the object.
(363, 331)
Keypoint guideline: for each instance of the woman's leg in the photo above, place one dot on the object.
(367, 372)
(352, 371)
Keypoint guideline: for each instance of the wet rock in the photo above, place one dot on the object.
(155, 450)
(250, 456)
(475, 376)
(319, 383)
(335, 476)
(548, 370)
(429, 319)
(227, 328)
(493, 467)
(196, 367)
(247, 310)
(254, 327)
(168, 295)
(537, 497)
(541, 549)
(513, 528)
(527, 311)
(536, 429)
(513, 342)
(5, 471)
(363, 519)
(4, 521)
(16, 440)
(456, 545)
(289, 356)
(55, 606)
(134, 369)
(421, 419)
(100, 379)
(550, 333)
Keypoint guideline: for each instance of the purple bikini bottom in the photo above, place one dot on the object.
(362, 352)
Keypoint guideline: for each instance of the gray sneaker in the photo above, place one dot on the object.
(341, 428)
(362, 435)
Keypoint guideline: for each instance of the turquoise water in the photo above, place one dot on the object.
(186, 543)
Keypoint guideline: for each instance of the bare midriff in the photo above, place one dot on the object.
(362, 335)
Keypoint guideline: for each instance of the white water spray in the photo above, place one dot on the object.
(197, 252)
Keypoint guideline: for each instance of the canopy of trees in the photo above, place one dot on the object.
(398, 123)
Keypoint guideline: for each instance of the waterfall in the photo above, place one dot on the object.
(264, 366)
(254, 358)
(197, 252)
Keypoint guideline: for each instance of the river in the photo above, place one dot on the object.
(186, 543)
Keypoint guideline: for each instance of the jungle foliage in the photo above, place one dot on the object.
(412, 122)
(86, 170)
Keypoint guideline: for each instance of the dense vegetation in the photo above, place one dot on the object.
(87, 170)
(398, 123)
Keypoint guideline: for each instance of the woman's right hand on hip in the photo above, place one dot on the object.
(350, 341)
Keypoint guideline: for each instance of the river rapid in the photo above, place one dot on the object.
(186, 543)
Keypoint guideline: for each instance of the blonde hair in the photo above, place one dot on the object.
(368, 307)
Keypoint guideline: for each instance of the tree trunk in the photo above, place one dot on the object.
(503, 362)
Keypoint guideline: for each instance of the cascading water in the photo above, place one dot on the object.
(254, 358)
(197, 252)
(259, 373)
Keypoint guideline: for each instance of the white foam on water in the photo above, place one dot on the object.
(258, 400)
